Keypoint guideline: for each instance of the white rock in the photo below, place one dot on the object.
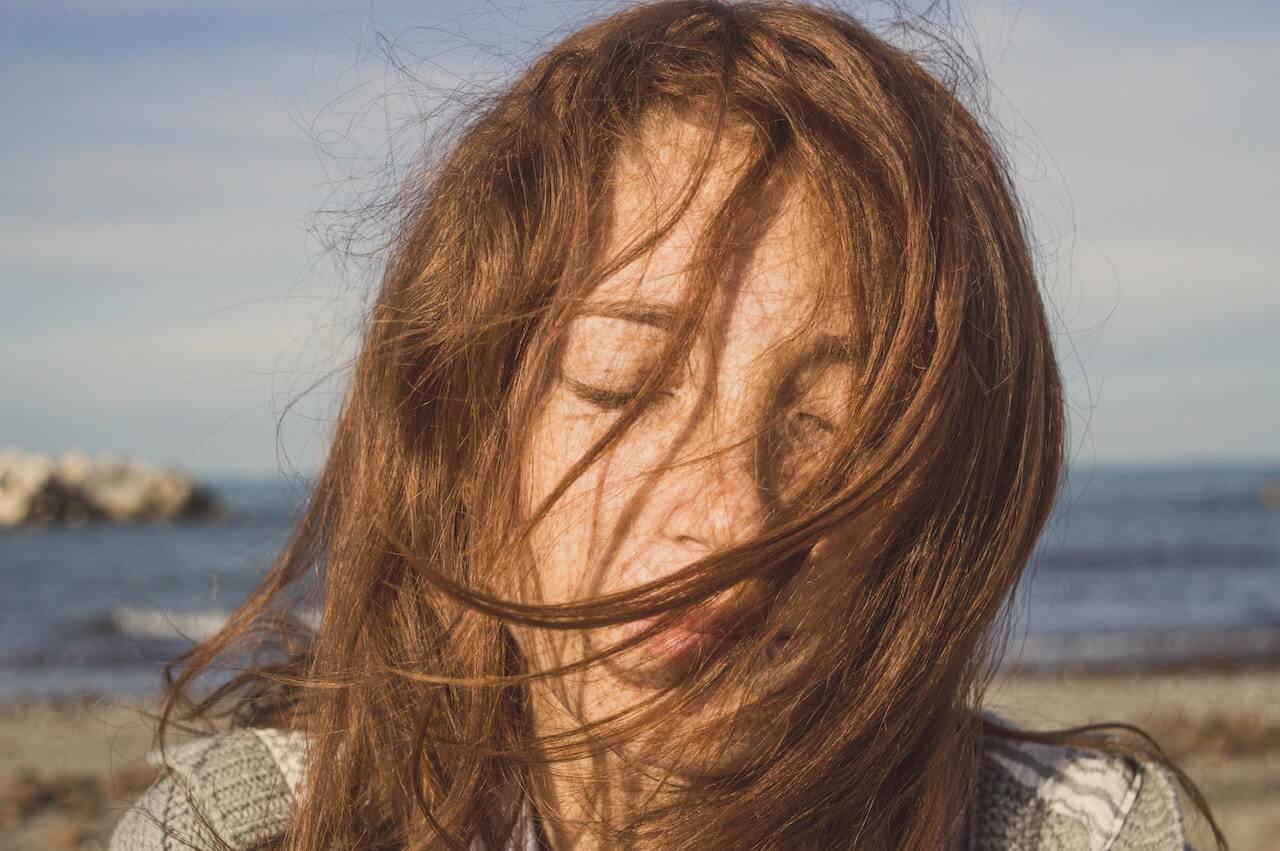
(75, 490)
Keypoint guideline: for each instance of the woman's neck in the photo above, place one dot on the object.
(578, 801)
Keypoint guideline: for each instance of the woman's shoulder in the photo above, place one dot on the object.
(1034, 795)
(241, 784)
(237, 785)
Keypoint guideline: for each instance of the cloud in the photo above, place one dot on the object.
(161, 389)
(1142, 153)
(159, 278)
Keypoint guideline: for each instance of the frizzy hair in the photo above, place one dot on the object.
(411, 690)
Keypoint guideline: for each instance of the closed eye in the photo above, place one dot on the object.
(816, 421)
(611, 400)
(608, 399)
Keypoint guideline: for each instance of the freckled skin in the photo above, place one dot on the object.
(618, 526)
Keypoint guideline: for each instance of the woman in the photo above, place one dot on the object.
(704, 424)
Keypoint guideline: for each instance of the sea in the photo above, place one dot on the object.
(1139, 567)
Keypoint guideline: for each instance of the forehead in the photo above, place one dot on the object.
(776, 273)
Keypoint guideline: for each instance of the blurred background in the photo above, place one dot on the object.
(183, 268)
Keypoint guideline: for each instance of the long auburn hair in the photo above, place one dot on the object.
(410, 688)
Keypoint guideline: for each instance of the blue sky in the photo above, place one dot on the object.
(164, 293)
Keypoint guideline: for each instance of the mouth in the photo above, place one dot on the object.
(679, 647)
(679, 651)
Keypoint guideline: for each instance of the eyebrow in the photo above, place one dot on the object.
(825, 348)
(830, 348)
(654, 313)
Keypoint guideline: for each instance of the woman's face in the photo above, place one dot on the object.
(621, 525)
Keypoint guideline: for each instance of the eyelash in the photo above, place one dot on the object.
(611, 400)
(818, 422)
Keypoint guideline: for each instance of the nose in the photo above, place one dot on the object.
(716, 502)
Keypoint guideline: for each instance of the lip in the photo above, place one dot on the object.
(691, 641)
(675, 654)
(681, 647)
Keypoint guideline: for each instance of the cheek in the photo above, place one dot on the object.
(583, 537)
(825, 593)
(562, 541)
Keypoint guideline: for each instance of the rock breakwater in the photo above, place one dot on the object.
(74, 489)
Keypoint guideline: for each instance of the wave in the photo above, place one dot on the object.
(196, 625)
(1146, 649)
(190, 625)
(1089, 556)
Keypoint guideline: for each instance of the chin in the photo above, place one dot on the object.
(689, 750)
(710, 735)
(694, 739)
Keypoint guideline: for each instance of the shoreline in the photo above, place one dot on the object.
(71, 764)
(1030, 671)
(1269, 663)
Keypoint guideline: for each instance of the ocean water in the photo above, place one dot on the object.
(1139, 566)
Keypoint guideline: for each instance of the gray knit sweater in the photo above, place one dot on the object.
(1030, 796)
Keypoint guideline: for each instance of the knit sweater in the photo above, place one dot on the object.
(1029, 796)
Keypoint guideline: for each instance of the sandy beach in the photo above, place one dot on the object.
(1221, 726)
(68, 769)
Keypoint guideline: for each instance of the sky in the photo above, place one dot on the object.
(173, 176)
